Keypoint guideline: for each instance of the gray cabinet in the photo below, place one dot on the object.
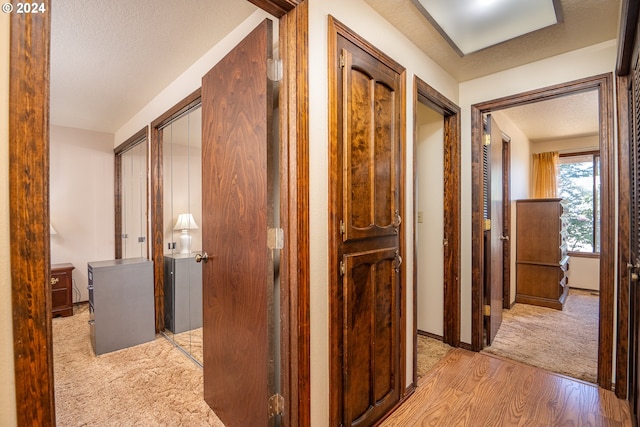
(121, 303)
(182, 293)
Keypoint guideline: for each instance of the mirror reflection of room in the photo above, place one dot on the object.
(182, 217)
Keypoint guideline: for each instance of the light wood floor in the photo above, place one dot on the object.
(475, 389)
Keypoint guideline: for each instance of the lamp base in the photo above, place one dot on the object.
(185, 242)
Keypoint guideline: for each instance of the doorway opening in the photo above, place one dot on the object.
(437, 218)
(602, 84)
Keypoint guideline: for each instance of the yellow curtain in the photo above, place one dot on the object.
(545, 166)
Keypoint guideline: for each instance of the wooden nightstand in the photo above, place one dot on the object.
(61, 290)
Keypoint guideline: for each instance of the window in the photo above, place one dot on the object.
(579, 187)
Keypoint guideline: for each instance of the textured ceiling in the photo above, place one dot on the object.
(566, 117)
(586, 22)
(110, 58)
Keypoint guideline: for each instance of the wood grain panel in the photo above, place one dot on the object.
(236, 104)
(367, 172)
(29, 216)
(370, 334)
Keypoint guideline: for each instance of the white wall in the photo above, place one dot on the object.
(81, 200)
(520, 181)
(7, 391)
(367, 23)
(590, 61)
(430, 229)
(191, 78)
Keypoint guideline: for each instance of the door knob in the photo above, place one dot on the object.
(202, 257)
(504, 237)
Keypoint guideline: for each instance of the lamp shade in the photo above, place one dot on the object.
(185, 222)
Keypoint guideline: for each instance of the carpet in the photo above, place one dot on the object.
(565, 342)
(152, 384)
(430, 352)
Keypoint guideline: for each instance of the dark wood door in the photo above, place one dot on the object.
(494, 290)
(236, 102)
(634, 239)
(366, 200)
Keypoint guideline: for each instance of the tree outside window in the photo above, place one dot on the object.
(579, 187)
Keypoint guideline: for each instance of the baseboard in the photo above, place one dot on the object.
(430, 335)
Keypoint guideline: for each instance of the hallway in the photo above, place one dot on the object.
(474, 389)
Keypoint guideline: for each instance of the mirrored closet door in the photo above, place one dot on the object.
(131, 197)
(181, 139)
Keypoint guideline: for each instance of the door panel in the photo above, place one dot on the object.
(370, 206)
(371, 361)
(366, 200)
(236, 102)
(495, 276)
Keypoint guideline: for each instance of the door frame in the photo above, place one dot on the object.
(29, 60)
(603, 83)
(427, 95)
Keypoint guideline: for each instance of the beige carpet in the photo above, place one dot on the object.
(152, 384)
(565, 342)
(430, 352)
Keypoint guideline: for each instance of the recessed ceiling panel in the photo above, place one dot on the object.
(472, 25)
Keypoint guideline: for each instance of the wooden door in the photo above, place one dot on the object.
(634, 239)
(494, 290)
(366, 204)
(236, 131)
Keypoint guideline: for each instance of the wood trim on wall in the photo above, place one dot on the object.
(604, 85)
(294, 211)
(157, 197)
(117, 186)
(277, 8)
(29, 217)
(452, 217)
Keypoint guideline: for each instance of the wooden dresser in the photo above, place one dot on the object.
(541, 253)
(61, 290)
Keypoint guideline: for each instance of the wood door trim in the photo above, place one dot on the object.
(29, 217)
(427, 95)
(137, 138)
(604, 85)
(294, 213)
(33, 32)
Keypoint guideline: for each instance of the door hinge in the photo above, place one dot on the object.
(276, 405)
(487, 224)
(487, 139)
(274, 69)
(275, 238)
(343, 229)
(487, 310)
(343, 268)
(342, 60)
